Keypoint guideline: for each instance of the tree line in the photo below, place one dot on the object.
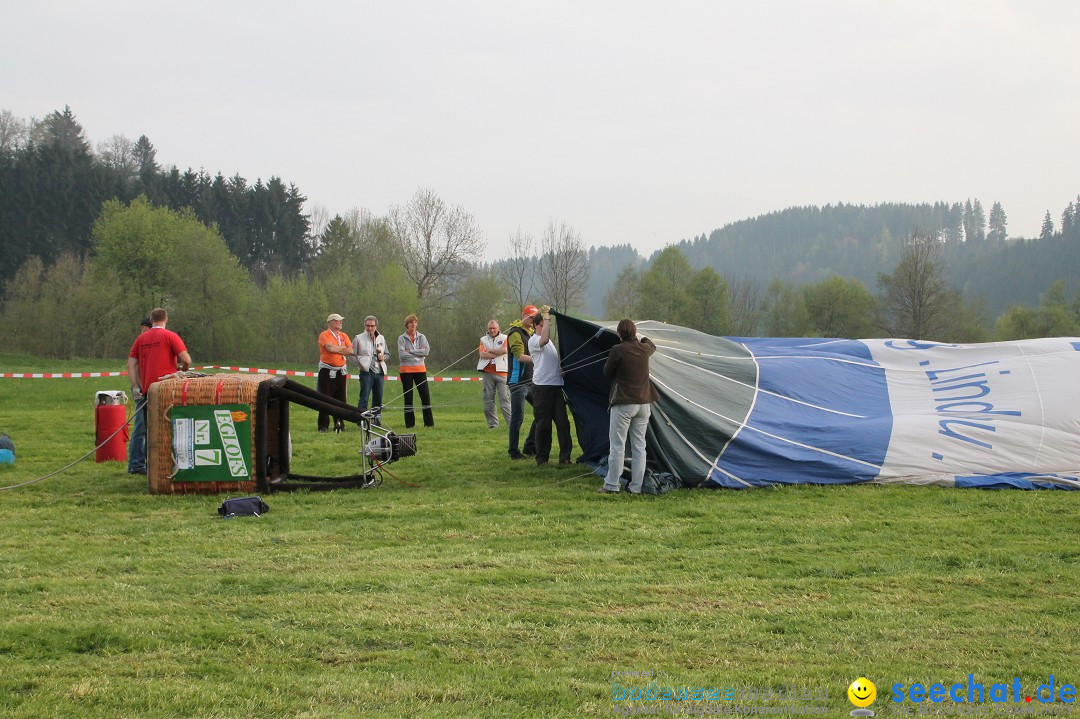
(53, 185)
(914, 300)
(92, 239)
(806, 245)
(144, 256)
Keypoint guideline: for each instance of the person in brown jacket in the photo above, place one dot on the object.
(632, 392)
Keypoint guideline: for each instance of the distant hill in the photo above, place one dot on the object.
(802, 245)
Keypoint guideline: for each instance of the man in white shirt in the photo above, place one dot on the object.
(493, 364)
(370, 354)
(548, 401)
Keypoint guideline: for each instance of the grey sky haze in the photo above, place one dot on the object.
(634, 122)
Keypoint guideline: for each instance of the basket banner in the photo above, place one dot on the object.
(211, 443)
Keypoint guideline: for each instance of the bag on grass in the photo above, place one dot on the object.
(243, 507)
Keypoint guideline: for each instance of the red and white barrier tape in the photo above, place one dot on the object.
(297, 373)
(292, 373)
(256, 370)
(58, 375)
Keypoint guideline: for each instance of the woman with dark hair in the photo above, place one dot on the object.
(631, 394)
(412, 349)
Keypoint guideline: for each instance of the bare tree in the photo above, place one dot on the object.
(746, 303)
(318, 219)
(917, 302)
(353, 241)
(118, 154)
(438, 244)
(372, 236)
(37, 130)
(518, 271)
(13, 132)
(624, 297)
(564, 266)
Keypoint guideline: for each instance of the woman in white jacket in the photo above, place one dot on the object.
(370, 354)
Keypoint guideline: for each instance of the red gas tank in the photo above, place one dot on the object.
(110, 415)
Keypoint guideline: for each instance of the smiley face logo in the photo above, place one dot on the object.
(862, 692)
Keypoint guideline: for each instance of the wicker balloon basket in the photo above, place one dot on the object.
(215, 434)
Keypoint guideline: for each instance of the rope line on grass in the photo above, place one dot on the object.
(568, 479)
(474, 483)
(72, 464)
(382, 468)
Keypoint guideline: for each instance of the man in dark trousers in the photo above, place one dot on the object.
(549, 405)
(334, 347)
(137, 447)
(155, 354)
(519, 370)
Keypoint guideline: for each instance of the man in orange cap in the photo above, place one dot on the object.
(519, 370)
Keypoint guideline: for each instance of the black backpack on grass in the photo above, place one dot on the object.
(243, 507)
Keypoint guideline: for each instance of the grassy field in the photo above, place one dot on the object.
(498, 589)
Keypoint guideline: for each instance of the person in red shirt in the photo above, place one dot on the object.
(156, 352)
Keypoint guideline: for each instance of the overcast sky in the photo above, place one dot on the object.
(634, 122)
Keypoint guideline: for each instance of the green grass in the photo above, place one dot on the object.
(497, 588)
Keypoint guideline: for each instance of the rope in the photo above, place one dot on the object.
(599, 332)
(427, 379)
(568, 479)
(586, 362)
(580, 363)
(382, 468)
(72, 464)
